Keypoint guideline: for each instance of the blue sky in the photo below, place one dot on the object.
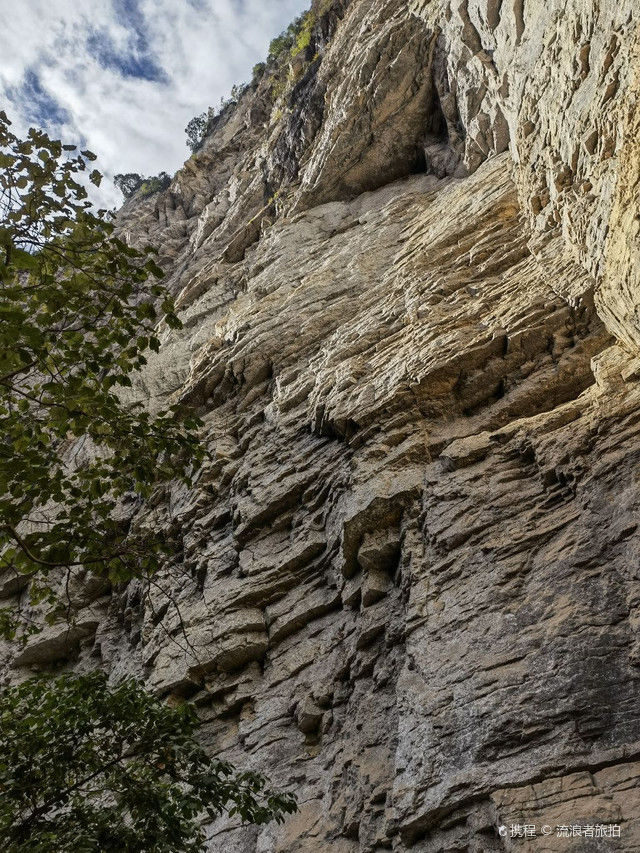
(123, 77)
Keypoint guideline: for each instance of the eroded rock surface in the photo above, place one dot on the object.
(408, 588)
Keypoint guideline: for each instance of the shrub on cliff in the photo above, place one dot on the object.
(294, 39)
(132, 183)
(128, 183)
(304, 33)
(196, 130)
(154, 184)
(258, 72)
(89, 767)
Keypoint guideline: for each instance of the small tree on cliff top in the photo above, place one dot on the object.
(128, 183)
(196, 130)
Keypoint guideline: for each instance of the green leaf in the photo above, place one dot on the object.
(150, 778)
(75, 317)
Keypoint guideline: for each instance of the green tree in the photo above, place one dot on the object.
(196, 130)
(128, 183)
(295, 38)
(258, 72)
(88, 768)
(154, 184)
(78, 311)
(132, 183)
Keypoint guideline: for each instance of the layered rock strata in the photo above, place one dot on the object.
(407, 268)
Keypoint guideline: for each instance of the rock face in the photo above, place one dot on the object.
(407, 267)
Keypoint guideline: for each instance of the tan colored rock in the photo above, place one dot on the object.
(408, 585)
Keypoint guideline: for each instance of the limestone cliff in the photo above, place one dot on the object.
(407, 265)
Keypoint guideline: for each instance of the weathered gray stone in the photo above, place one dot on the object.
(409, 578)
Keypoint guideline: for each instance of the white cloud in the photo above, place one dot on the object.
(124, 77)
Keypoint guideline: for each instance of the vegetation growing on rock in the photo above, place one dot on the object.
(128, 183)
(196, 130)
(290, 43)
(132, 183)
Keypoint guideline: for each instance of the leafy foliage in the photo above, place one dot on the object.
(237, 91)
(293, 40)
(78, 312)
(200, 126)
(132, 183)
(128, 183)
(258, 71)
(85, 767)
(154, 184)
(303, 36)
(196, 131)
(88, 767)
(279, 45)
